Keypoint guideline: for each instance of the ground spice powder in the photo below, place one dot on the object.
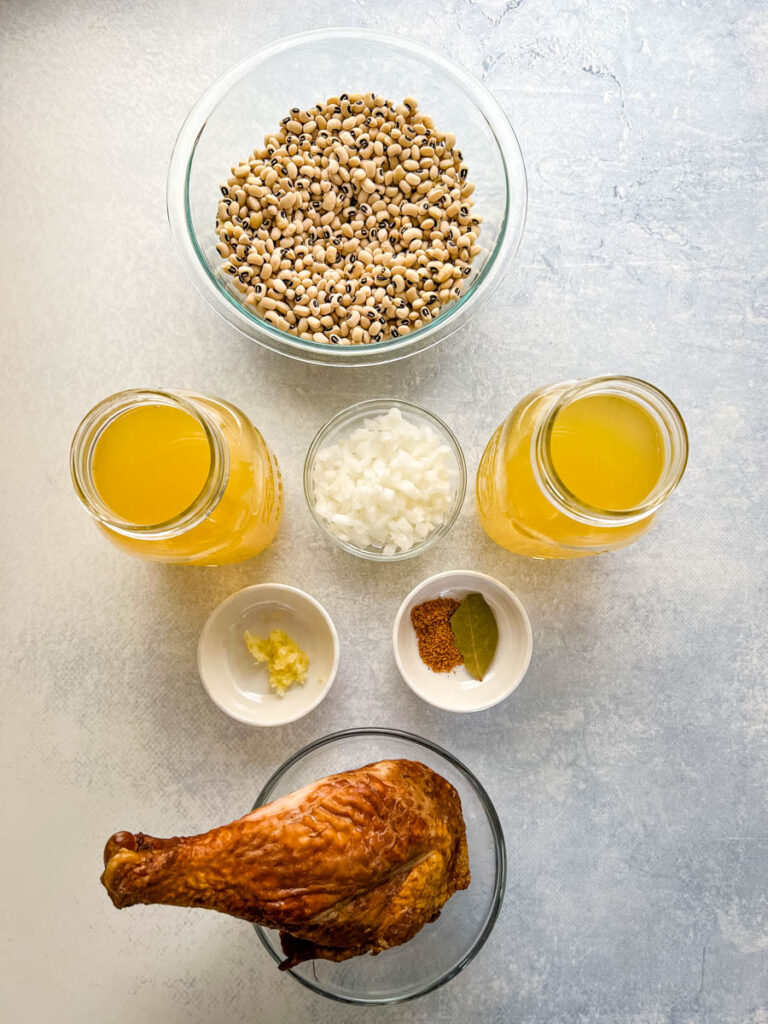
(437, 646)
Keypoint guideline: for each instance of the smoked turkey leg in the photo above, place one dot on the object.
(351, 864)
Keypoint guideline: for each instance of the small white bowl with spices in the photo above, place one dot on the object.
(385, 479)
(294, 630)
(457, 690)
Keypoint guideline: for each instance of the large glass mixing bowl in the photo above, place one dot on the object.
(444, 947)
(233, 115)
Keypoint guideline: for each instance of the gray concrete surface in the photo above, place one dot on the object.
(629, 769)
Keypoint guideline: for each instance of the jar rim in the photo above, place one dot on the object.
(91, 429)
(665, 414)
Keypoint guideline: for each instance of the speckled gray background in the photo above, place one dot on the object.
(630, 767)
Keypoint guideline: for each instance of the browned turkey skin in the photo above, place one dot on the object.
(354, 863)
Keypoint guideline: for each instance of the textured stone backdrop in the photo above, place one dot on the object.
(629, 769)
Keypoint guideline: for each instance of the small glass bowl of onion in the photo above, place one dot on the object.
(385, 479)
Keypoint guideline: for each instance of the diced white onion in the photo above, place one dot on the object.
(388, 485)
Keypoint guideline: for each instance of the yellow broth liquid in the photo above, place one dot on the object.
(607, 451)
(152, 462)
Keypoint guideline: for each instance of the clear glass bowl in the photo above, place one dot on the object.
(444, 947)
(233, 115)
(342, 424)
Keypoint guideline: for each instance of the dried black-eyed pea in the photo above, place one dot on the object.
(297, 216)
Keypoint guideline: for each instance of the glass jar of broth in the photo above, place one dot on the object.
(175, 476)
(581, 467)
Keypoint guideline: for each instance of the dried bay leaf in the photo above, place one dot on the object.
(476, 633)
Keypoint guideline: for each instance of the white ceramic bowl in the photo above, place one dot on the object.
(457, 690)
(231, 676)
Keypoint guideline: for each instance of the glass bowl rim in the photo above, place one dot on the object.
(234, 311)
(499, 846)
(458, 499)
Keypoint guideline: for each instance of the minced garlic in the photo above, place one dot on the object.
(286, 661)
